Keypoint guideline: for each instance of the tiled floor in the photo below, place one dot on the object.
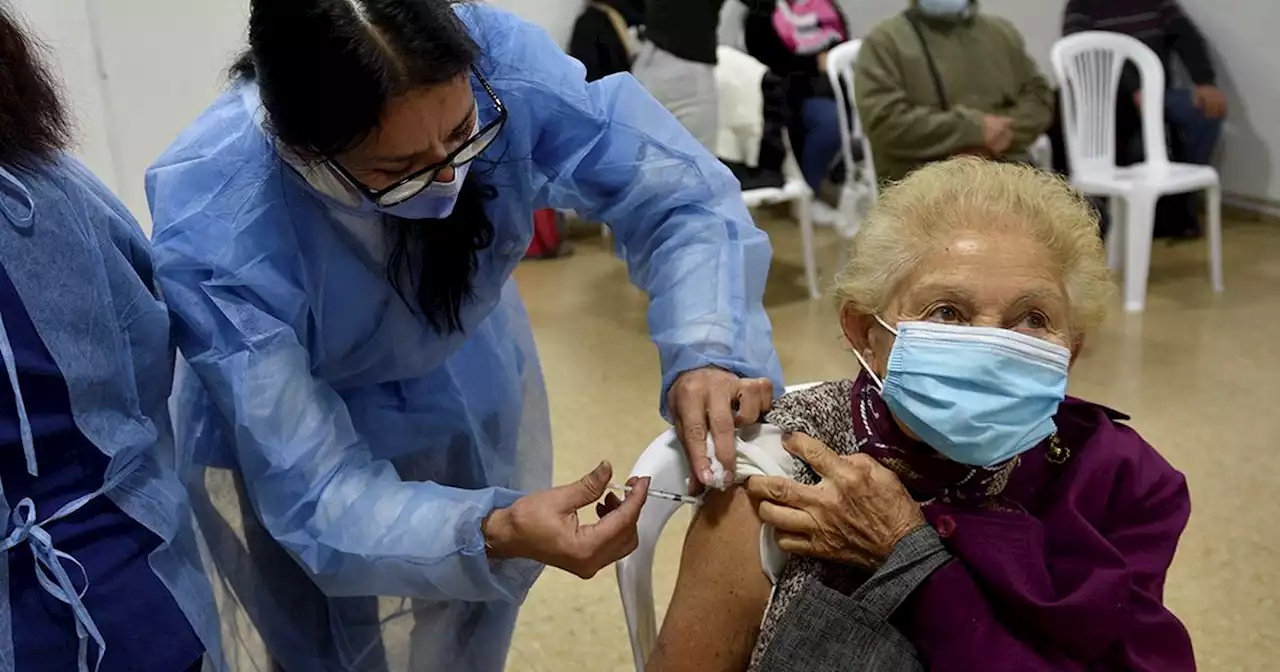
(1199, 373)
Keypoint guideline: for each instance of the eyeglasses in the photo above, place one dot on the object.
(467, 152)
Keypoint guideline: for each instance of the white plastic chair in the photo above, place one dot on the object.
(797, 192)
(1088, 65)
(737, 71)
(860, 187)
(665, 463)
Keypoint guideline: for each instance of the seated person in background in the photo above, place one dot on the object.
(792, 38)
(943, 79)
(1194, 117)
(950, 508)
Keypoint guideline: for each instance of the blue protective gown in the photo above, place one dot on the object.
(369, 447)
(82, 270)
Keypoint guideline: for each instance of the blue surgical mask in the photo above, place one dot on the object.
(943, 9)
(436, 201)
(978, 395)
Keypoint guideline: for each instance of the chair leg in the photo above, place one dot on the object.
(806, 237)
(1138, 227)
(1115, 233)
(1214, 207)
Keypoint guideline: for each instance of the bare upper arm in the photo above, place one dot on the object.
(721, 591)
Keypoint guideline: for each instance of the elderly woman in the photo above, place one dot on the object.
(950, 508)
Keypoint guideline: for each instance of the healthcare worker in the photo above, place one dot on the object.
(99, 564)
(336, 237)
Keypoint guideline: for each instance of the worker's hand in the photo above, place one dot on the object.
(1211, 101)
(856, 515)
(997, 134)
(715, 401)
(544, 525)
(822, 61)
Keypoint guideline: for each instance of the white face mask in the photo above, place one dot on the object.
(943, 9)
(435, 201)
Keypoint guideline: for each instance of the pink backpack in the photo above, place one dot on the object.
(808, 27)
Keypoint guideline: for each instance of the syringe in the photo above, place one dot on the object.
(660, 494)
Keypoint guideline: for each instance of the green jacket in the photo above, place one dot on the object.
(984, 68)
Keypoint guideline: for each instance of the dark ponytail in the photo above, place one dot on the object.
(326, 70)
(33, 119)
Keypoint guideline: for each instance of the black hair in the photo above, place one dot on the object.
(326, 69)
(33, 119)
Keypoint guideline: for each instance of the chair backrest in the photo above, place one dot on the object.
(1088, 67)
(665, 463)
(840, 62)
(860, 187)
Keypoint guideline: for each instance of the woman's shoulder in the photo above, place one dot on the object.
(507, 42)
(213, 188)
(208, 166)
(823, 411)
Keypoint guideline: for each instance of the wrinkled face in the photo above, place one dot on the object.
(418, 129)
(979, 278)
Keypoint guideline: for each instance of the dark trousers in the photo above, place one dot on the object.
(1192, 138)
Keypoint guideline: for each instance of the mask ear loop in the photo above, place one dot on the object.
(867, 367)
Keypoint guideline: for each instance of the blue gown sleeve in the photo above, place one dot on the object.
(611, 152)
(347, 518)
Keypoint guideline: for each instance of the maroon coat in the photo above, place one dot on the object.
(1059, 559)
(1076, 581)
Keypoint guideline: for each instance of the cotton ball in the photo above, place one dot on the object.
(717, 470)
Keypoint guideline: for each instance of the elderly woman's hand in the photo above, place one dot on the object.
(856, 515)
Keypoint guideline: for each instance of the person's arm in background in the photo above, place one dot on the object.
(1032, 111)
(611, 152)
(895, 125)
(1188, 43)
(1077, 18)
(1193, 51)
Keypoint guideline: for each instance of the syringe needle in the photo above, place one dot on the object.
(660, 494)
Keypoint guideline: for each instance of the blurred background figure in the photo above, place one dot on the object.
(943, 78)
(1193, 115)
(792, 38)
(677, 62)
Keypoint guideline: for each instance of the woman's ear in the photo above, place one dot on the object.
(1077, 346)
(857, 327)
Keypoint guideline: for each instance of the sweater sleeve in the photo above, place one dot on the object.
(1033, 109)
(1075, 18)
